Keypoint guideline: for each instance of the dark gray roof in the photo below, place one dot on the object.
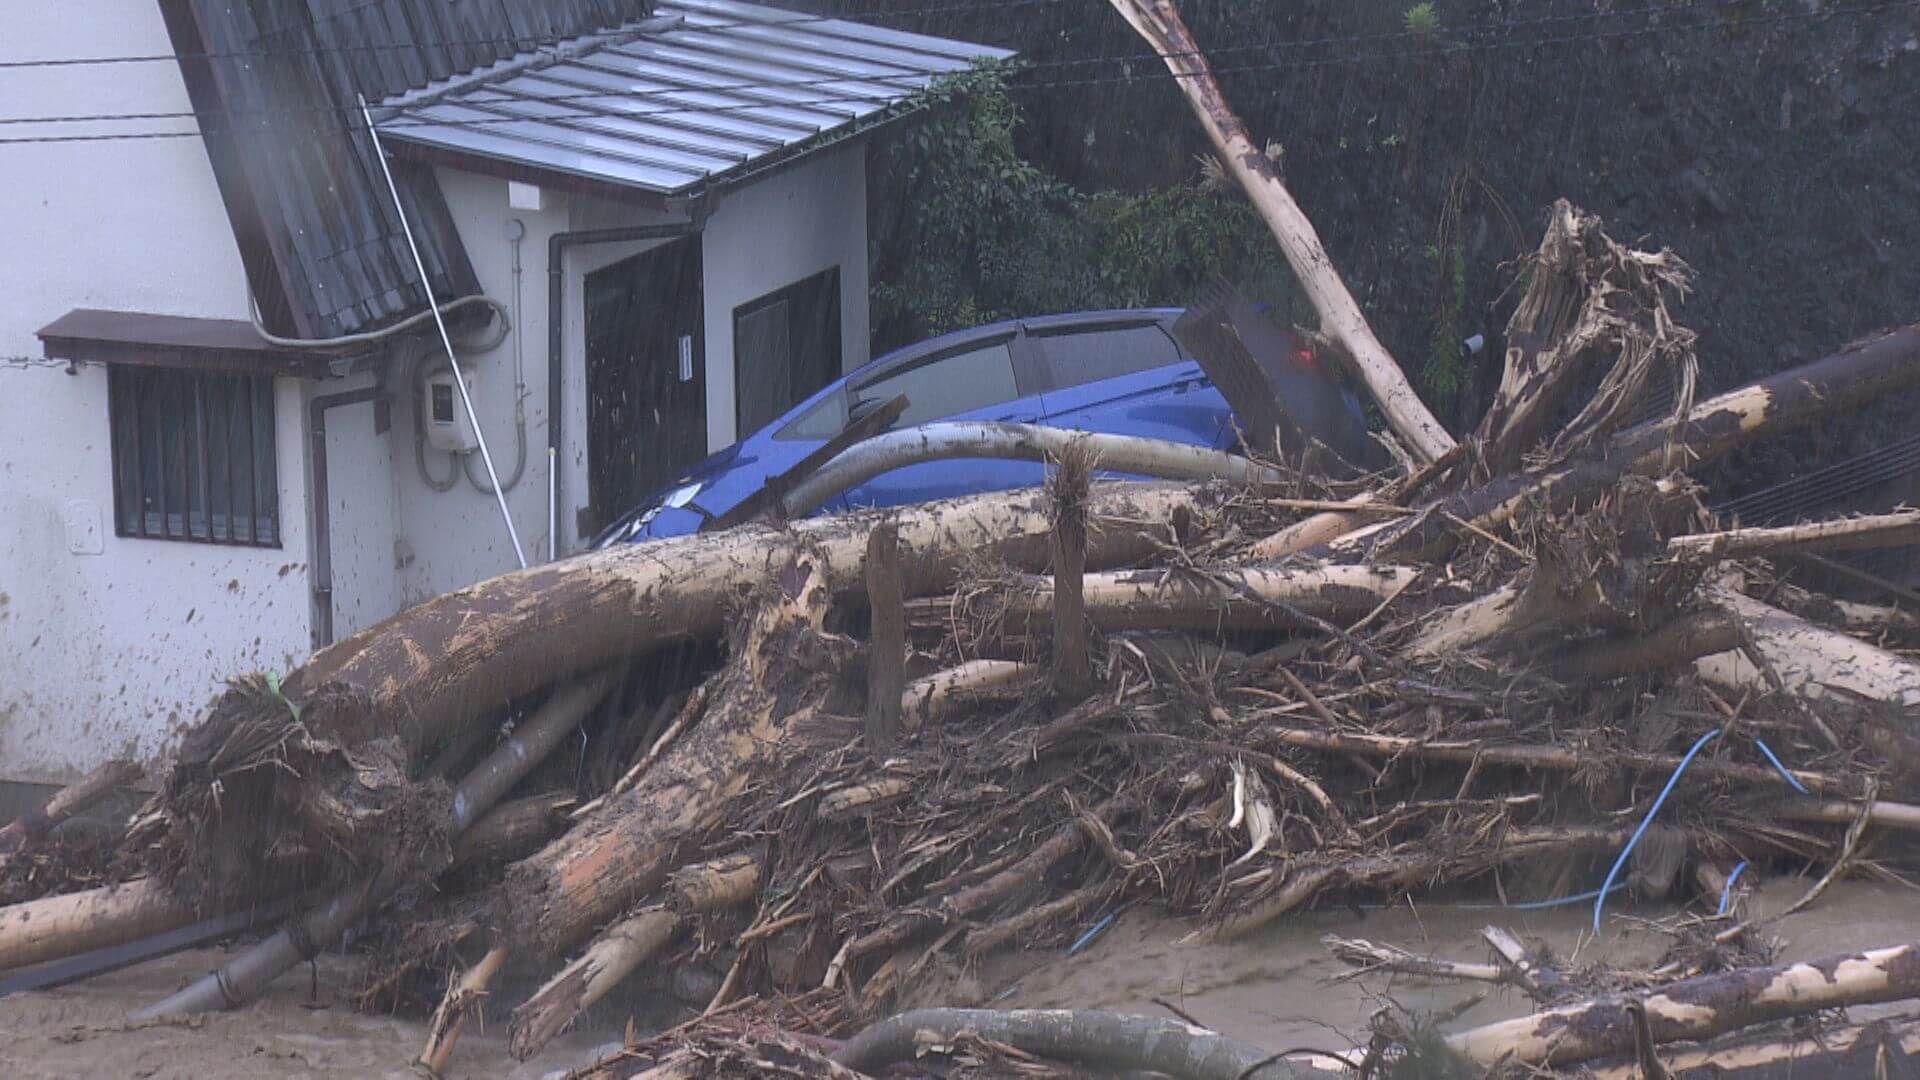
(274, 83)
(704, 88)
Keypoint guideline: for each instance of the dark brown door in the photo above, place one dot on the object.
(646, 376)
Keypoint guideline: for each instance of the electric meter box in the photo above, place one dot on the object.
(446, 416)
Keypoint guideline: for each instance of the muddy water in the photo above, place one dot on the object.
(1272, 989)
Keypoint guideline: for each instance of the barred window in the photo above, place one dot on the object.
(193, 456)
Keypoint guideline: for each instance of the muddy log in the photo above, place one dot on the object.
(1843, 534)
(1248, 599)
(1341, 320)
(1093, 1040)
(1696, 1009)
(65, 803)
(463, 997)
(1857, 1050)
(61, 926)
(887, 656)
(929, 699)
(1811, 661)
(513, 829)
(368, 707)
(624, 946)
(1865, 371)
(778, 676)
(446, 660)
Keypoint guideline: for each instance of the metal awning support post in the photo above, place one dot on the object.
(459, 376)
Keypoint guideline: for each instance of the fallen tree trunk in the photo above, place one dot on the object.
(1852, 616)
(947, 440)
(1848, 1050)
(624, 850)
(59, 926)
(1696, 1008)
(65, 803)
(624, 946)
(1810, 660)
(1844, 534)
(367, 706)
(927, 700)
(1862, 372)
(1341, 320)
(1094, 1040)
(515, 828)
(1248, 599)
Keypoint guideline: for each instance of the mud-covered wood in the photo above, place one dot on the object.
(1811, 661)
(65, 803)
(1072, 654)
(1103, 1041)
(61, 926)
(777, 677)
(1697, 1008)
(887, 654)
(621, 948)
(1240, 599)
(1844, 534)
(1862, 372)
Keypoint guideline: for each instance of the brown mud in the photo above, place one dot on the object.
(1272, 988)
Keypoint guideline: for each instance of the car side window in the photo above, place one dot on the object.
(957, 382)
(825, 420)
(1077, 357)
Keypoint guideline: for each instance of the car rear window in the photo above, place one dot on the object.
(1076, 357)
(958, 382)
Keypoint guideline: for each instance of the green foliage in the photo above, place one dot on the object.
(1422, 19)
(967, 231)
(1445, 371)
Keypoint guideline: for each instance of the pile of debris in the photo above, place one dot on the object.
(828, 758)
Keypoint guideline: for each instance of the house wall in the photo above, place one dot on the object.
(788, 227)
(105, 654)
(785, 227)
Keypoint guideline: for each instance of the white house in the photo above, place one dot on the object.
(227, 433)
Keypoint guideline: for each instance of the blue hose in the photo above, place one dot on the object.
(1726, 893)
(1790, 778)
(1600, 902)
(1536, 905)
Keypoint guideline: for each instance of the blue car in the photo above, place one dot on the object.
(1121, 372)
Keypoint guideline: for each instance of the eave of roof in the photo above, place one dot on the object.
(92, 335)
(702, 92)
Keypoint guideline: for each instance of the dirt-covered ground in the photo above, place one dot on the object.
(1273, 989)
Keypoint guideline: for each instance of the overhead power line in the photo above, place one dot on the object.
(1153, 72)
(525, 44)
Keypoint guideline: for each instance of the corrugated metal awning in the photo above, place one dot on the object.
(703, 89)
